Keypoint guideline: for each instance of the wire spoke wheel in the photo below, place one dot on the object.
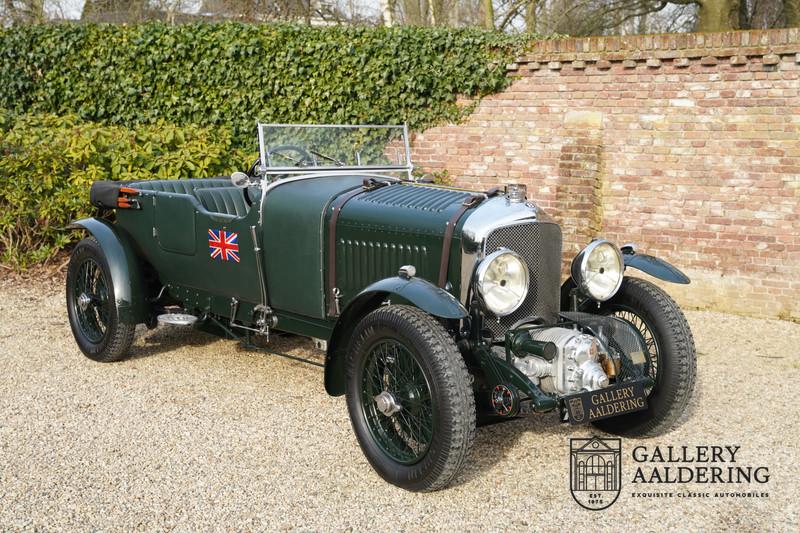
(640, 324)
(91, 306)
(670, 358)
(404, 429)
(90, 300)
(409, 397)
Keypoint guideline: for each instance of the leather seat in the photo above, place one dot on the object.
(228, 200)
(181, 186)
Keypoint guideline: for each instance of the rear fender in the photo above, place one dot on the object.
(126, 273)
(418, 292)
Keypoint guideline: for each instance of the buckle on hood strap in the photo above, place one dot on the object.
(334, 294)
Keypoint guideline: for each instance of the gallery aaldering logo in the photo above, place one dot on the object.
(699, 471)
(595, 471)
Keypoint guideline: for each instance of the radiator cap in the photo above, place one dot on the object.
(515, 192)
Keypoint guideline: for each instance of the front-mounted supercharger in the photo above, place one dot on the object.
(436, 307)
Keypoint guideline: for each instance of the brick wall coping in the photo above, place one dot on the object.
(748, 43)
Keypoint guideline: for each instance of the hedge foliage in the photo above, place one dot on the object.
(233, 74)
(81, 103)
(48, 163)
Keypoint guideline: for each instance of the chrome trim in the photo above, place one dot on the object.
(262, 283)
(408, 168)
(376, 126)
(338, 168)
(481, 272)
(387, 404)
(83, 301)
(262, 153)
(491, 214)
(407, 146)
(584, 255)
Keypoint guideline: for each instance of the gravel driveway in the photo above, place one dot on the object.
(196, 433)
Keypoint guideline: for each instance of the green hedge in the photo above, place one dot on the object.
(48, 163)
(86, 102)
(233, 74)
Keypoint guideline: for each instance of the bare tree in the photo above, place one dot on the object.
(114, 10)
(791, 13)
(23, 12)
(487, 6)
(387, 10)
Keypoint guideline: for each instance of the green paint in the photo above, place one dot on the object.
(403, 224)
(124, 267)
(293, 233)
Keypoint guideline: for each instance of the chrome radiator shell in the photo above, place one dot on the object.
(539, 244)
(526, 229)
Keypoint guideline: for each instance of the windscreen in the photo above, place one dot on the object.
(304, 148)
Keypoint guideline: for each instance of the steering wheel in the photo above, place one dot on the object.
(301, 158)
(292, 153)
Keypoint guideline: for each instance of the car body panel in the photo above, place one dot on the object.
(190, 266)
(124, 267)
(400, 224)
(656, 267)
(293, 242)
(415, 291)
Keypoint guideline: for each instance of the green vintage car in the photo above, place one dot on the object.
(437, 307)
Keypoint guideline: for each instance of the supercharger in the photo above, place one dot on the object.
(577, 364)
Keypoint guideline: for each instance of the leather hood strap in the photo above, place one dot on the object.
(333, 292)
(444, 264)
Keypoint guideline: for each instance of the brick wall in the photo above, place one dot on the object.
(688, 145)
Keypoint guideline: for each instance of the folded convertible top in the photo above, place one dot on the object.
(106, 193)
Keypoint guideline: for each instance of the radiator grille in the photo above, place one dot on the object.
(539, 244)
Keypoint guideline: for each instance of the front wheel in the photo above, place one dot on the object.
(409, 398)
(673, 361)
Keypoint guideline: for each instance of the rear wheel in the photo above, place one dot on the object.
(90, 305)
(672, 358)
(409, 398)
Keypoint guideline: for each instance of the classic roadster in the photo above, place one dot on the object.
(436, 307)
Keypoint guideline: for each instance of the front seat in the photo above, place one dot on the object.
(227, 200)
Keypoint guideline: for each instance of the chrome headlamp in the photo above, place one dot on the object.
(502, 281)
(598, 270)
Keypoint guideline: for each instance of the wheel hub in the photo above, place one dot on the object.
(387, 404)
(83, 301)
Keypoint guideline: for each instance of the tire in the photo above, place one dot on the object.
(90, 306)
(672, 352)
(403, 352)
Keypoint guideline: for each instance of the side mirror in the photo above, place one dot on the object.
(240, 179)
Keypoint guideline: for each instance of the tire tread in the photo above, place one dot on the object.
(684, 372)
(450, 368)
(120, 335)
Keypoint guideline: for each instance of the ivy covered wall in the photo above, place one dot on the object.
(231, 74)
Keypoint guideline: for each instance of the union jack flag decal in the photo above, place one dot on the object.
(223, 245)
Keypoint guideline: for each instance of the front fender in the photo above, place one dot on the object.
(422, 293)
(126, 273)
(418, 292)
(656, 267)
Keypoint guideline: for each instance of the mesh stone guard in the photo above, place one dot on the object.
(620, 337)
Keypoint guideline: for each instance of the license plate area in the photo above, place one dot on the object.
(591, 406)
